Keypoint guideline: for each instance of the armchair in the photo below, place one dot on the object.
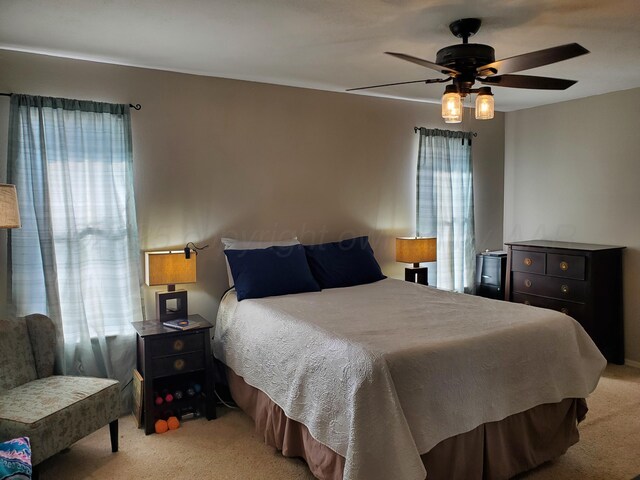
(54, 411)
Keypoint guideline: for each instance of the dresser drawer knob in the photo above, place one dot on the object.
(565, 310)
(564, 266)
(527, 302)
(528, 262)
(564, 288)
(178, 345)
(179, 364)
(527, 283)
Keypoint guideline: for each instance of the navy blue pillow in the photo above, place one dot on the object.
(270, 271)
(343, 264)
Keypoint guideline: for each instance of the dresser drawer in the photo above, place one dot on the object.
(189, 342)
(560, 288)
(575, 310)
(527, 261)
(567, 266)
(174, 364)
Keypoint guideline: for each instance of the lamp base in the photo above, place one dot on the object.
(171, 305)
(417, 275)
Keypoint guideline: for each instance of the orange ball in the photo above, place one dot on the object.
(161, 426)
(173, 423)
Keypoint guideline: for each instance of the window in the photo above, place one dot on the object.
(76, 257)
(444, 207)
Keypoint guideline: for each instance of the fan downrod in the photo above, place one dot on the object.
(465, 28)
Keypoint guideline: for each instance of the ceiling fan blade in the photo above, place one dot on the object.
(428, 80)
(528, 81)
(424, 63)
(533, 59)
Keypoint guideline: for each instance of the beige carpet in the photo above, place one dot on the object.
(228, 449)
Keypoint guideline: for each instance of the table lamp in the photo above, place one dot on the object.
(169, 268)
(415, 250)
(9, 214)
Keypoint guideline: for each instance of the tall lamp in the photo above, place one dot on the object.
(415, 250)
(169, 268)
(9, 213)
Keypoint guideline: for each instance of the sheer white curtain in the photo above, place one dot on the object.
(445, 204)
(76, 257)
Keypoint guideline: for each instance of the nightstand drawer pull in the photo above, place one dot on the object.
(527, 283)
(527, 302)
(565, 310)
(174, 364)
(527, 261)
(564, 266)
(180, 343)
(564, 288)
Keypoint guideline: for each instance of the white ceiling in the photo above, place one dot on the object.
(334, 44)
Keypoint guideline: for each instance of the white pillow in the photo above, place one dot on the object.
(233, 244)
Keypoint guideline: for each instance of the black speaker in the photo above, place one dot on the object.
(491, 269)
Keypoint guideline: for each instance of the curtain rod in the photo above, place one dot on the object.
(137, 106)
(415, 130)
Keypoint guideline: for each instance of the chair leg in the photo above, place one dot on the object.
(113, 431)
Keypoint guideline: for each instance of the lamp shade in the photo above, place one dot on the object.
(9, 214)
(169, 268)
(415, 249)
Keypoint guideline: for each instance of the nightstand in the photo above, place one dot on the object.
(171, 360)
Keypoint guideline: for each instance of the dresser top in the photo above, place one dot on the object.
(590, 247)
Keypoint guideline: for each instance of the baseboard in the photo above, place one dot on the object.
(631, 363)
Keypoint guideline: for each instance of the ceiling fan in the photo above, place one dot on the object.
(467, 63)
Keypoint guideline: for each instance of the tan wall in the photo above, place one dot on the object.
(216, 157)
(572, 172)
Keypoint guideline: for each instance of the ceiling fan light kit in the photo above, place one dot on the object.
(468, 63)
(484, 104)
(451, 105)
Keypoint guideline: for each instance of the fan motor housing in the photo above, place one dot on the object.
(465, 56)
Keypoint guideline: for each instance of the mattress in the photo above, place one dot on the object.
(361, 365)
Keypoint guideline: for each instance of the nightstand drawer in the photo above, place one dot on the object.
(560, 288)
(190, 342)
(174, 364)
(527, 261)
(567, 266)
(575, 310)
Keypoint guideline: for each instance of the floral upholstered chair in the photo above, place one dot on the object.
(53, 411)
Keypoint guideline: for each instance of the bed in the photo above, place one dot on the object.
(394, 380)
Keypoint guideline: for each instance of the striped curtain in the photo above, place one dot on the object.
(445, 204)
(76, 257)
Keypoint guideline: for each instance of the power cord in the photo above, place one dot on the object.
(223, 402)
(194, 247)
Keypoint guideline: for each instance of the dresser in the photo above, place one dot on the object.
(171, 361)
(578, 279)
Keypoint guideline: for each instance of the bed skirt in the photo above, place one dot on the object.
(496, 450)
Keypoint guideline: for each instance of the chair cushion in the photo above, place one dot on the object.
(15, 459)
(17, 365)
(56, 411)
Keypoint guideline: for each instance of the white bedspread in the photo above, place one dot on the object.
(383, 372)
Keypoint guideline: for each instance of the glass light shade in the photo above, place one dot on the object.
(452, 107)
(484, 105)
(415, 249)
(169, 268)
(9, 213)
